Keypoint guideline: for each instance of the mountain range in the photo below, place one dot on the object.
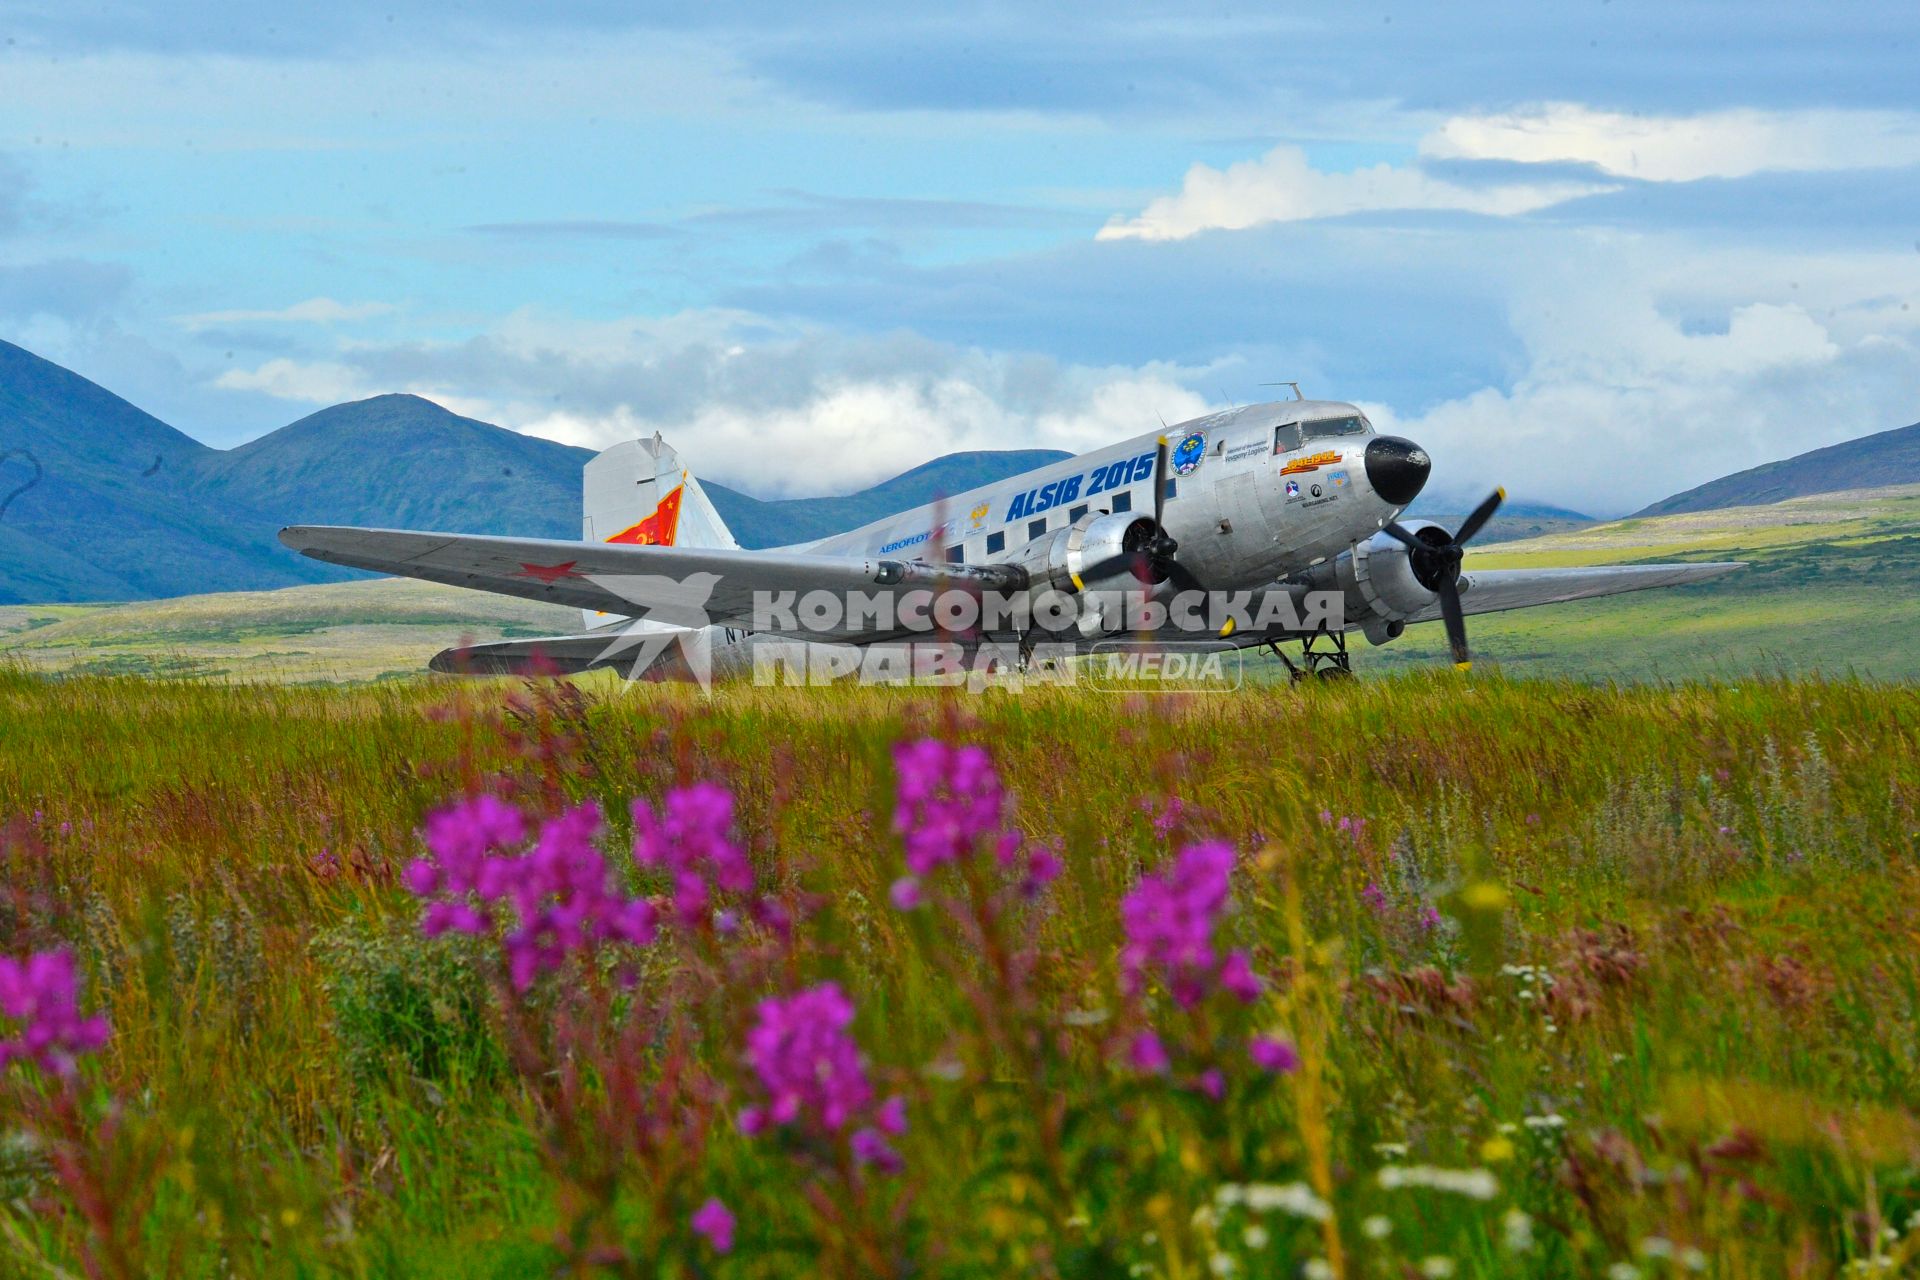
(1886, 458)
(102, 501)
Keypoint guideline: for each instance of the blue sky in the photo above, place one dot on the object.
(1599, 251)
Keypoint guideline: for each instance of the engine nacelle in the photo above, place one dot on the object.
(1091, 558)
(1378, 578)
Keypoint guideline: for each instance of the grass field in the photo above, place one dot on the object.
(1533, 978)
(1834, 589)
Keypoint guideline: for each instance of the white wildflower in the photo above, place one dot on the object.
(1656, 1247)
(1478, 1184)
(1222, 1265)
(1552, 1120)
(1296, 1198)
(1255, 1236)
(1623, 1271)
(1391, 1150)
(1519, 1231)
(1437, 1267)
(1317, 1269)
(1377, 1227)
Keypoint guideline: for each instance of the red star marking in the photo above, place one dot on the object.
(548, 572)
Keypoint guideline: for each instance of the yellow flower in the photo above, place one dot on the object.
(1484, 896)
(1496, 1150)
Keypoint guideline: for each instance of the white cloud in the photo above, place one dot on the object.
(1282, 186)
(312, 311)
(779, 410)
(1622, 402)
(1715, 144)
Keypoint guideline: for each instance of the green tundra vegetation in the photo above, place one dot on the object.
(1493, 977)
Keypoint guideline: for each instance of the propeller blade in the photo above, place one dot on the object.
(1182, 576)
(1160, 484)
(1135, 562)
(1481, 514)
(1394, 529)
(1456, 624)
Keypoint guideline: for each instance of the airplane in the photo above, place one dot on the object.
(1294, 503)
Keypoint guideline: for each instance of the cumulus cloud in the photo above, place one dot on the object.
(312, 311)
(778, 409)
(1282, 186)
(1632, 390)
(1682, 148)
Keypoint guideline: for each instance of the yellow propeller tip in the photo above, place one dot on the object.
(1463, 666)
(1502, 491)
(1228, 629)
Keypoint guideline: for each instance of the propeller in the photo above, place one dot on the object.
(1149, 553)
(1437, 566)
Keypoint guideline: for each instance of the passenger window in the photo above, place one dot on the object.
(1286, 438)
(1076, 513)
(957, 554)
(996, 543)
(1035, 529)
(1173, 488)
(1123, 500)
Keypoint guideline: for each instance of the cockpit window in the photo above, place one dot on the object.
(1286, 438)
(1321, 430)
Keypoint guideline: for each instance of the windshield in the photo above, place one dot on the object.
(1351, 426)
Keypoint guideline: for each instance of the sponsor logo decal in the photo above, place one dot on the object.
(656, 530)
(1312, 462)
(1316, 491)
(1293, 489)
(1189, 453)
(979, 514)
(1338, 477)
(899, 544)
(1240, 453)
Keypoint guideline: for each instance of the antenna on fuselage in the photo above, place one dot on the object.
(1294, 385)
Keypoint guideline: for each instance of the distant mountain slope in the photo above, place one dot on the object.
(762, 523)
(1516, 519)
(1886, 458)
(111, 516)
(401, 461)
(127, 507)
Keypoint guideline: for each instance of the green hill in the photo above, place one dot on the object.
(110, 503)
(1875, 461)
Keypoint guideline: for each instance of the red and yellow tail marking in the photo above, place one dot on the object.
(658, 529)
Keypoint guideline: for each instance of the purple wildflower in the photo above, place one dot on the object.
(564, 897)
(1148, 1054)
(949, 797)
(807, 1062)
(1272, 1054)
(905, 893)
(1169, 921)
(1375, 897)
(869, 1147)
(42, 994)
(715, 1221)
(1239, 979)
(689, 839)
(1212, 1083)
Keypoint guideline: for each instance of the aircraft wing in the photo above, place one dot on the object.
(1496, 590)
(675, 586)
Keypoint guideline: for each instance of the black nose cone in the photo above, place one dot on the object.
(1397, 469)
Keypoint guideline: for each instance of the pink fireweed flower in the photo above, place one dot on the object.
(1274, 1055)
(951, 806)
(810, 1068)
(1148, 1054)
(1169, 920)
(715, 1221)
(690, 839)
(563, 896)
(42, 994)
(949, 798)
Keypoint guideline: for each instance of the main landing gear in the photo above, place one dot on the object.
(1331, 663)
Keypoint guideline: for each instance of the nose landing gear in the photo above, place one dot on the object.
(1331, 663)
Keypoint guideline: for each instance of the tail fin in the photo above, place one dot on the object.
(638, 492)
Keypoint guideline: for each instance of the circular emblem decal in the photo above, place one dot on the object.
(1316, 491)
(1189, 452)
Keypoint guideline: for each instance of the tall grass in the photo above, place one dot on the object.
(1582, 980)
